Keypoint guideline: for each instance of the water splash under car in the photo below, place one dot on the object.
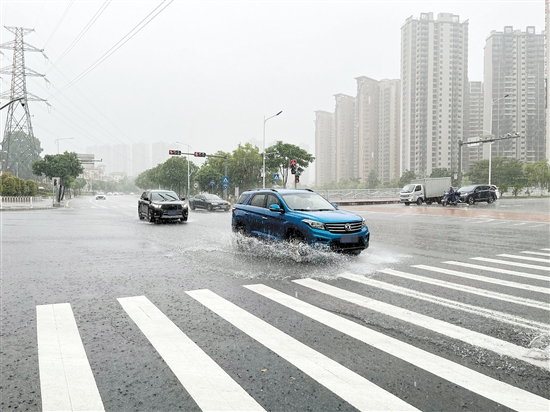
(300, 216)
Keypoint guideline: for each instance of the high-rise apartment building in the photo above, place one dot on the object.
(474, 130)
(366, 139)
(141, 158)
(434, 83)
(344, 135)
(515, 95)
(389, 130)
(325, 148)
(547, 67)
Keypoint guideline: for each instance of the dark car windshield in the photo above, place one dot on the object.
(307, 201)
(209, 196)
(467, 188)
(164, 196)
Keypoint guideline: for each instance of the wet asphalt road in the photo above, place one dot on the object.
(93, 253)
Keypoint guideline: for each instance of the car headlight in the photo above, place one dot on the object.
(156, 206)
(214, 204)
(363, 223)
(314, 224)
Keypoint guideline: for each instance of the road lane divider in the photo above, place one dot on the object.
(348, 385)
(509, 263)
(469, 289)
(485, 279)
(532, 259)
(499, 270)
(207, 383)
(435, 325)
(490, 388)
(66, 379)
(465, 307)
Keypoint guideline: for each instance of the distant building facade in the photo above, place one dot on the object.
(474, 131)
(434, 83)
(325, 148)
(515, 94)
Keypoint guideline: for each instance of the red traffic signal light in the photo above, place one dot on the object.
(293, 162)
(297, 179)
(199, 154)
(174, 152)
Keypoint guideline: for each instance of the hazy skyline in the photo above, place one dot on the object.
(206, 73)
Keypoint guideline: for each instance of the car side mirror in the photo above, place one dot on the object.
(183, 198)
(335, 205)
(275, 208)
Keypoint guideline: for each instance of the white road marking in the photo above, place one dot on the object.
(477, 310)
(500, 392)
(536, 253)
(66, 379)
(207, 383)
(353, 388)
(516, 264)
(456, 332)
(532, 259)
(498, 270)
(484, 279)
(469, 289)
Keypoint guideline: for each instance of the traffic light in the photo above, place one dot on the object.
(174, 152)
(297, 179)
(293, 166)
(199, 154)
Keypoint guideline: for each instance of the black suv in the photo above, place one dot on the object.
(477, 193)
(162, 205)
(299, 216)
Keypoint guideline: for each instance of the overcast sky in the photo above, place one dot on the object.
(207, 72)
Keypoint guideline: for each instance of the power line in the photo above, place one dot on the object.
(81, 34)
(58, 23)
(118, 45)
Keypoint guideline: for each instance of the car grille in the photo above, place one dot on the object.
(341, 227)
(172, 207)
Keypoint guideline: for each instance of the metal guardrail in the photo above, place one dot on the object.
(22, 201)
(353, 194)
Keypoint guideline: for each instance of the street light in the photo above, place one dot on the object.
(56, 141)
(263, 165)
(491, 143)
(188, 173)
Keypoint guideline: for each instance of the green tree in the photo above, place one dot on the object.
(244, 167)
(406, 178)
(278, 159)
(372, 180)
(504, 171)
(66, 166)
(207, 174)
(9, 185)
(31, 188)
(174, 174)
(23, 152)
(538, 174)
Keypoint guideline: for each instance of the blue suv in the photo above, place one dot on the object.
(299, 215)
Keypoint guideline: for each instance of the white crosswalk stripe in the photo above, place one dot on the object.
(500, 392)
(208, 384)
(67, 381)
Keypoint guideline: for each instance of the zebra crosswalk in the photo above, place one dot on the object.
(67, 380)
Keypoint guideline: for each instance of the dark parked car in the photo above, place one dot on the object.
(162, 205)
(209, 202)
(477, 193)
(299, 216)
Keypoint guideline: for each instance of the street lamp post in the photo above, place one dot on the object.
(491, 143)
(188, 173)
(56, 141)
(263, 164)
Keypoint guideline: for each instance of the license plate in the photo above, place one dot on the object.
(172, 213)
(349, 239)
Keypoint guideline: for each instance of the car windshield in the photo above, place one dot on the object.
(208, 196)
(307, 201)
(164, 196)
(467, 188)
(408, 188)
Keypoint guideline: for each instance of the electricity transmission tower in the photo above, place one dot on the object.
(19, 146)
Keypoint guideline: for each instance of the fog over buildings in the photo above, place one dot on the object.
(367, 87)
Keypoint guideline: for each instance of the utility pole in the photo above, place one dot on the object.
(19, 146)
